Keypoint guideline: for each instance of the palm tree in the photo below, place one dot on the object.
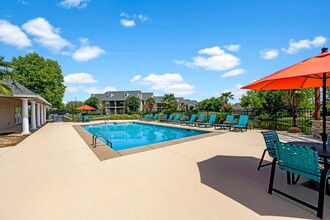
(150, 102)
(170, 102)
(225, 97)
(5, 75)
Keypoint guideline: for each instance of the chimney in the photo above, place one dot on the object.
(324, 49)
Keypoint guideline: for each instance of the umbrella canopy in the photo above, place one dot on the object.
(86, 108)
(310, 73)
(306, 74)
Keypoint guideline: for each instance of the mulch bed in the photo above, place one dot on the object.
(9, 140)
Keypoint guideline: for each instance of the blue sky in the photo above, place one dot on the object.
(196, 49)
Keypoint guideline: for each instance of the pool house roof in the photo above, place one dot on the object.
(20, 91)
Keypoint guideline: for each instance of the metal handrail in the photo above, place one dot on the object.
(95, 136)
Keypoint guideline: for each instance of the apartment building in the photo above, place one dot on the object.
(113, 102)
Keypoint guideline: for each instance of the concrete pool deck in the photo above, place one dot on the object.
(53, 174)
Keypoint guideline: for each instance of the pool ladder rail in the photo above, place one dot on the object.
(95, 136)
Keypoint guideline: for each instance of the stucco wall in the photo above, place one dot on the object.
(7, 112)
(317, 128)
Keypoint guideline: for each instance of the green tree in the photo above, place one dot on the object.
(94, 102)
(225, 97)
(211, 104)
(133, 103)
(71, 106)
(151, 103)
(170, 103)
(252, 99)
(41, 76)
(6, 75)
(269, 101)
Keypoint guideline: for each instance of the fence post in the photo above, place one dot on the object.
(276, 116)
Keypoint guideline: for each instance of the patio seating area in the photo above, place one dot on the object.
(53, 174)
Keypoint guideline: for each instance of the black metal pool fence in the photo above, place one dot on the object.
(281, 119)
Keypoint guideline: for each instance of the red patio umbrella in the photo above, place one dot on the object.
(310, 73)
(86, 108)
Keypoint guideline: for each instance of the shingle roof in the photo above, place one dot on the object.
(159, 99)
(118, 95)
(21, 91)
(146, 95)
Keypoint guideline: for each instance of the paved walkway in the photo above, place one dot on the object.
(54, 175)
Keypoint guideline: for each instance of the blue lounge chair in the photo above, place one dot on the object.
(166, 120)
(182, 118)
(243, 123)
(209, 123)
(303, 161)
(164, 117)
(150, 116)
(154, 118)
(199, 120)
(192, 119)
(85, 118)
(145, 117)
(270, 138)
(176, 118)
(225, 124)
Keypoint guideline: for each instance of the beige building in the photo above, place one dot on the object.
(24, 109)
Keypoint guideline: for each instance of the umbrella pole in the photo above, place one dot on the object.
(324, 115)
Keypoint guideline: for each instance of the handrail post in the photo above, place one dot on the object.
(95, 136)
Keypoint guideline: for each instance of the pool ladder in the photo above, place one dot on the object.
(95, 136)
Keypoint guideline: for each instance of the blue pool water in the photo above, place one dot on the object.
(133, 134)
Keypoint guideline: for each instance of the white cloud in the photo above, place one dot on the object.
(234, 72)
(127, 23)
(46, 34)
(85, 53)
(136, 78)
(95, 90)
(166, 83)
(143, 18)
(237, 92)
(12, 35)
(84, 41)
(233, 47)
(74, 3)
(131, 20)
(73, 88)
(79, 78)
(24, 2)
(179, 61)
(269, 54)
(295, 47)
(212, 51)
(77, 82)
(216, 59)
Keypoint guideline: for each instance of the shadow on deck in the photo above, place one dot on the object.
(238, 178)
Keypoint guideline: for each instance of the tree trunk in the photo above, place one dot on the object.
(317, 112)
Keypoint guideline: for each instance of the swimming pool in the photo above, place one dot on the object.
(132, 134)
